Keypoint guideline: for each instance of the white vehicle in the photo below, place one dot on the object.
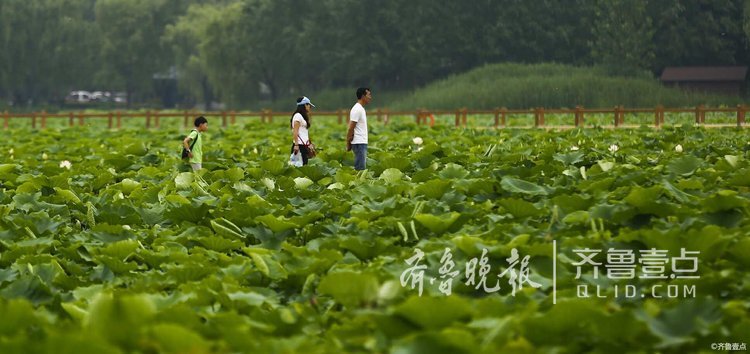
(100, 96)
(78, 97)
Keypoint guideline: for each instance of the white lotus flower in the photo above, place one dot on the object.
(65, 164)
(613, 148)
(417, 141)
(44, 156)
(10, 152)
(678, 148)
(574, 148)
(126, 227)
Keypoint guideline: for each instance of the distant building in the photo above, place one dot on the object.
(727, 80)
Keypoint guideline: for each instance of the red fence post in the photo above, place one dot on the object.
(740, 116)
(71, 119)
(119, 119)
(148, 119)
(33, 120)
(6, 120)
(232, 117)
(44, 119)
(579, 117)
(698, 111)
(80, 119)
(466, 116)
(617, 116)
(658, 115)
(503, 113)
(109, 120)
(539, 117)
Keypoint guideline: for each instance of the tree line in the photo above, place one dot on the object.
(240, 52)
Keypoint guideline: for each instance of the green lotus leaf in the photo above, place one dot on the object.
(605, 165)
(68, 195)
(138, 149)
(184, 180)
(435, 312)
(303, 182)
(570, 158)
(453, 171)
(391, 175)
(119, 318)
(275, 167)
(724, 200)
(219, 244)
(516, 185)
(276, 224)
(349, 288)
(234, 174)
(121, 250)
(398, 163)
(519, 208)
(685, 165)
(128, 185)
(173, 338)
(577, 217)
(434, 189)
(226, 228)
(437, 223)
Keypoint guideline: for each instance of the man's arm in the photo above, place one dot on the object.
(186, 145)
(350, 135)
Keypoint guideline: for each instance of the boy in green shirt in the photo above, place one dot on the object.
(195, 154)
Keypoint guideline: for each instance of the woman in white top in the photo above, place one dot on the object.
(300, 124)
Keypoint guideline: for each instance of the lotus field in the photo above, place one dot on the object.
(454, 241)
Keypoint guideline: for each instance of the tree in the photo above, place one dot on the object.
(623, 36)
(132, 51)
(698, 32)
(47, 48)
(185, 38)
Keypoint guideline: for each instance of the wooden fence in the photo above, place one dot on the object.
(422, 117)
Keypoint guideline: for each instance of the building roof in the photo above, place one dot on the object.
(705, 73)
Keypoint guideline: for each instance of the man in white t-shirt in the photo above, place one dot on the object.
(356, 137)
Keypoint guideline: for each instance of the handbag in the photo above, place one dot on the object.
(185, 152)
(310, 149)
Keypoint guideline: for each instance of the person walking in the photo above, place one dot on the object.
(195, 149)
(300, 124)
(356, 137)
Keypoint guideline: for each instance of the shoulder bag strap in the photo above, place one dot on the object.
(194, 140)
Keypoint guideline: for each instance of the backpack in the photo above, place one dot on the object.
(185, 152)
